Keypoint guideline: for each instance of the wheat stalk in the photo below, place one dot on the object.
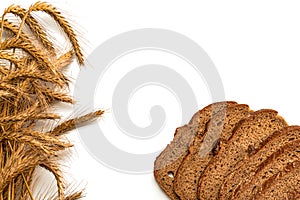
(31, 82)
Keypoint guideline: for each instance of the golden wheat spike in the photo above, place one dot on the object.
(11, 43)
(73, 123)
(64, 60)
(37, 54)
(14, 29)
(18, 161)
(63, 23)
(34, 26)
(21, 116)
(33, 73)
(49, 95)
(31, 81)
(54, 169)
(75, 196)
(10, 88)
(11, 57)
(58, 96)
(3, 70)
(40, 116)
(34, 144)
(37, 141)
(4, 94)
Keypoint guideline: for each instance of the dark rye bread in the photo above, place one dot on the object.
(246, 137)
(274, 165)
(285, 185)
(219, 128)
(245, 171)
(169, 160)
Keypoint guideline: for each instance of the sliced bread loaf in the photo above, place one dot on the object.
(219, 128)
(168, 162)
(245, 171)
(274, 165)
(248, 136)
(285, 185)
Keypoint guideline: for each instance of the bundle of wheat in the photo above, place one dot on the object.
(31, 82)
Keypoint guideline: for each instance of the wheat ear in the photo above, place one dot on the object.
(34, 26)
(56, 15)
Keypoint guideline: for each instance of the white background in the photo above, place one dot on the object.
(255, 46)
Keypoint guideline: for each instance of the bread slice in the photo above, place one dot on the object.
(220, 127)
(168, 162)
(246, 137)
(244, 172)
(285, 185)
(274, 165)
